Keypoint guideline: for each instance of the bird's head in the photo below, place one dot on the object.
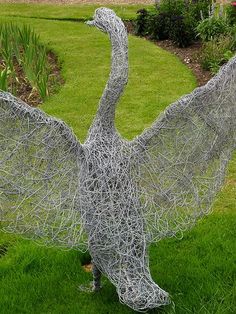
(107, 21)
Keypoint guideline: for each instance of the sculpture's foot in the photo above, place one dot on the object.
(96, 278)
(96, 288)
(143, 295)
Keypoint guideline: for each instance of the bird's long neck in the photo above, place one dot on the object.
(104, 120)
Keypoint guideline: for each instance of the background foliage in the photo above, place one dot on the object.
(184, 22)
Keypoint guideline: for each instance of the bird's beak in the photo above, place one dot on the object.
(94, 23)
(90, 23)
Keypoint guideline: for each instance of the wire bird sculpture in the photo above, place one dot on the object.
(110, 195)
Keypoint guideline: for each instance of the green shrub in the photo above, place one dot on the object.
(198, 9)
(142, 21)
(182, 31)
(216, 52)
(175, 22)
(172, 7)
(178, 20)
(231, 14)
(212, 27)
(159, 26)
(168, 20)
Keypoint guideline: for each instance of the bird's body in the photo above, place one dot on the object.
(123, 194)
(114, 221)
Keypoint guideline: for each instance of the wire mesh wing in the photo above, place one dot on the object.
(182, 158)
(39, 170)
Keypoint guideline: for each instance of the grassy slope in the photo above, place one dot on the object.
(200, 270)
(153, 82)
(65, 12)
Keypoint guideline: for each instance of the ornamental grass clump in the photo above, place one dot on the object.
(21, 51)
(216, 52)
(212, 27)
(231, 12)
(218, 35)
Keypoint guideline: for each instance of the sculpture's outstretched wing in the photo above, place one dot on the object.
(39, 170)
(183, 156)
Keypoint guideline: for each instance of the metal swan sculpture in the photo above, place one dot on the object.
(110, 195)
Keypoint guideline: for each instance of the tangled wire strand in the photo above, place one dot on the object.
(111, 195)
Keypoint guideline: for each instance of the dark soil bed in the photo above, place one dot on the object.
(190, 57)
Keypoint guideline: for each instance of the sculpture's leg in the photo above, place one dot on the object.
(96, 278)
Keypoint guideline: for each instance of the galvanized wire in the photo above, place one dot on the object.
(111, 195)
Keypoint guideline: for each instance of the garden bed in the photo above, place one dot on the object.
(24, 89)
(190, 57)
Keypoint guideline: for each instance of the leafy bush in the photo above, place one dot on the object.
(219, 39)
(216, 52)
(231, 14)
(170, 19)
(199, 9)
(212, 27)
(175, 22)
(172, 7)
(182, 31)
(142, 22)
(159, 26)
(181, 21)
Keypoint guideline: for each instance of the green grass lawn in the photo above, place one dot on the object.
(200, 270)
(85, 11)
